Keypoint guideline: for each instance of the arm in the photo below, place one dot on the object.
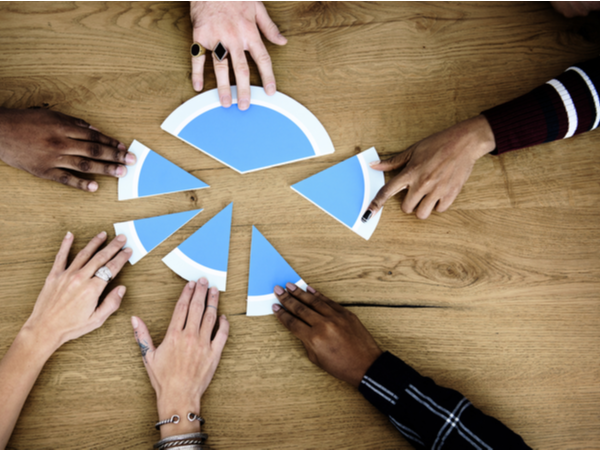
(236, 25)
(52, 145)
(66, 309)
(435, 169)
(181, 368)
(428, 415)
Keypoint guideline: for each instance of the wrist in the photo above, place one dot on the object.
(30, 343)
(167, 406)
(481, 132)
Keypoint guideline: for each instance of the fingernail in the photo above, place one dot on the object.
(366, 216)
(121, 238)
(243, 104)
(278, 290)
(94, 128)
(120, 171)
(203, 281)
(191, 285)
(290, 287)
(128, 250)
(121, 293)
(281, 36)
(270, 88)
(374, 163)
(223, 317)
(197, 86)
(213, 291)
(93, 186)
(69, 235)
(101, 235)
(134, 322)
(276, 307)
(310, 289)
(121, 146)
(226, 101)
(130, 158)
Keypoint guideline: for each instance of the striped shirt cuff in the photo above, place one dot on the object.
(563, 107)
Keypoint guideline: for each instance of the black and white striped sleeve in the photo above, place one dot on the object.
(430, 416)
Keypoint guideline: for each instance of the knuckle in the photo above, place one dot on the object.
(56, 143)
(108, 169)
(94, 149)
(84, 165)
(63, 178)
(264, 58)
(94, 136)
(118, 155)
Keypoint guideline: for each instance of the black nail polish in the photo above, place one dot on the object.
(366, 216)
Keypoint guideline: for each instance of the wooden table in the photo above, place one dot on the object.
(499, 297)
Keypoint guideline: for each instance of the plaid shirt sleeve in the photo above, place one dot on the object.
(430, 416)
(561, 108)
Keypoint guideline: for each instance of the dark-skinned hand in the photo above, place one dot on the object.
(334, 338)
(52, 145)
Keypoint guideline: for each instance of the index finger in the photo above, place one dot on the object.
(295, 325)
(391, 188)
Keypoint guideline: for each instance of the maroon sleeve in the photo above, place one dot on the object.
(561, 108)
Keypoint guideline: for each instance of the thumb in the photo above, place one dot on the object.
(268, 27)
(142, 336)
(394, 162)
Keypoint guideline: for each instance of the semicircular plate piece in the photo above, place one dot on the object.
(206, 252)
(274, 130)
(154, 175)
(267, 269)
(344, 191)
(144, 235)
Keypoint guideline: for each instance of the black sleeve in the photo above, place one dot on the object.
(430, 416)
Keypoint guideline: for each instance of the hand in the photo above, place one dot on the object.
(235, 25)
(574, 9)
(52, 145)
(435, 169)
(181, 368)
(334, 338)
(67, 306)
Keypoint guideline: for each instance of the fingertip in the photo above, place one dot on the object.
(278, 290)
(243, 104)
(311, 289)
(134, 322)
(68, 236)
(225, 101)
(197, 85)
(276, 307)
(92, 186)
(191, 285)
(121, 291)
(366, 216)
(122, 146)
(282, 39)
(121, 171)
(94, 128)
(130, 158)
(270, 89)
(121, 238)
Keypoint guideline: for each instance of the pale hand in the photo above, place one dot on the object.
(334, 338)
(435, 169)
(52, 145)
(182, 367)
(67, 306)
(236, 25)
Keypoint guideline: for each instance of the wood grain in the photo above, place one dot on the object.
(507, 281)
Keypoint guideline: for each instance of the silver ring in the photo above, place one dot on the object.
(104, 273)
(211, 306)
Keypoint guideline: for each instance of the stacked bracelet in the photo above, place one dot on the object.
(192, 441)
(175, 419)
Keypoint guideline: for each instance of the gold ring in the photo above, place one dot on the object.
(197, 50)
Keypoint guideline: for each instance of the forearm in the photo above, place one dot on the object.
(429, 415)
(561, 108)
(19, 369)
